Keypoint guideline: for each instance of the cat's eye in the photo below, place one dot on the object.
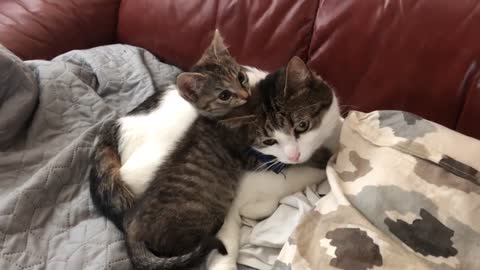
(225, 95)
(269, 142)
(302, 126)
(242, 78)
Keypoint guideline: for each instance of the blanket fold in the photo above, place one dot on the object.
(18, 97)
(50, 112)
(405, 194)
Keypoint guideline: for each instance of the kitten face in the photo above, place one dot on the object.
(298, 112)
(217, 83)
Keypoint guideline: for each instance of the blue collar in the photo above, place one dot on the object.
(264, 159)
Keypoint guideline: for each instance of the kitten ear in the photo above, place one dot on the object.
(297, 76)
(218, 45)
(190, 84)
(217, 49)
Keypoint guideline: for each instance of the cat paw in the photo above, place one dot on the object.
(217, 261)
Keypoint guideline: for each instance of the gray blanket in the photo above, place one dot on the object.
(50, 112)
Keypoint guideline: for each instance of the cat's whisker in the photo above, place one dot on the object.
(262, 164)
(265, 164)
(306, 107)
(237, 118)
(254, 123)
(275, 163)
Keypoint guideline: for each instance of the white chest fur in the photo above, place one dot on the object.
(146, 140)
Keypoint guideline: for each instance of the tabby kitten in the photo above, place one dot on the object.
(297, 121)
(174, 222)
(129, 150)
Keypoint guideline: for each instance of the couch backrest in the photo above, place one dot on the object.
(39, 29)
(418, 56)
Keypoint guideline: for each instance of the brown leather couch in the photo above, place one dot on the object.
(420, 56)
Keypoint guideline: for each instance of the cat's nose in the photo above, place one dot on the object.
(243, 94)
(294, 156)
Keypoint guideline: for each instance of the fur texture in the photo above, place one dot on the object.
(109, 193)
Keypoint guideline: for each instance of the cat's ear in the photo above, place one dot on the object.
(216, 50)
(297, 76)
(190, 85)
(218, 45)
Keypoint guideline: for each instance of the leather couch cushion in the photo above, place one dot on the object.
(417, 56)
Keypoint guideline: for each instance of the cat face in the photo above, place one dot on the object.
(298, 111)
(216, 83)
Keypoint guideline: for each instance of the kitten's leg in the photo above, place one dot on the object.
(299, 177)
(262, 191)
(229, 234)
(259, 209)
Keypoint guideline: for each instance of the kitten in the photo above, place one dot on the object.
(174, 222)
(128, 150)
(298, 121)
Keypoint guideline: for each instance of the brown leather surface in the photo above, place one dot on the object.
(409, 55)
(469, 120)
(35, 29)
(264, 34)
(418, 56)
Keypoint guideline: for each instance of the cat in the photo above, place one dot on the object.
(299, 120)
(122, 146)
(128, 150)
(174, 222)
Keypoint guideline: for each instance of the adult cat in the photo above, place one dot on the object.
(298, 119)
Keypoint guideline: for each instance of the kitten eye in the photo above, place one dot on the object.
(269, 142)
(242, 78)
(302, 126)
(225, 95)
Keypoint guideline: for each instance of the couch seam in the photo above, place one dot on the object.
(468, 82)
(117, 20)
(312, 30)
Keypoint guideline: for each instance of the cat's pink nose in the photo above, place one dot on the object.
(294, 156)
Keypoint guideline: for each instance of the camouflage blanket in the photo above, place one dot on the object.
(405, 195)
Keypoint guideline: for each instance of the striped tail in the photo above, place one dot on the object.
(144, 259)
(109, 193)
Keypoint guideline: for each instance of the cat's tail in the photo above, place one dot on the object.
(109, 193)
(144, 259)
